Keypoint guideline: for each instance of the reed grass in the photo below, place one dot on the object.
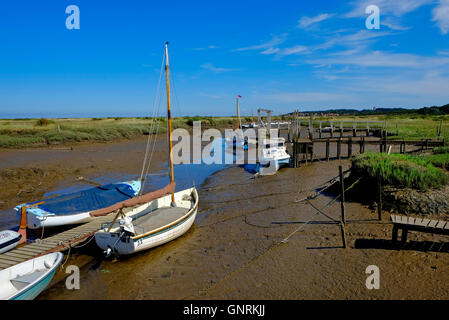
(400, 170)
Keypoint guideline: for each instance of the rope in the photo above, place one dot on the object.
(156, 102)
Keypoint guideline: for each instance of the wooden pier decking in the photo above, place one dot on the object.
(59, 242)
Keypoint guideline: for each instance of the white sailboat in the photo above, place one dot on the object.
(155, 218)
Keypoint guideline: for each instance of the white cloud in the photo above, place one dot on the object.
(383, 59)
(211, 67)
(305, 22)
(393, 24)
(299, 49)
(440, 14)
(302, 97)
(394, 7)
(358, 39)
(275, 40)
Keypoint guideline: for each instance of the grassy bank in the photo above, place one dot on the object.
(15, 133)
(409, 127)
(400, 170)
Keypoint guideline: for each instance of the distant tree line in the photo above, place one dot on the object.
(434, 110)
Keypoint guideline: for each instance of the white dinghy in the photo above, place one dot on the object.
(26, 280)
(154, 218)
(9, 240)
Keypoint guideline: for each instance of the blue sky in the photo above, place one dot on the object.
(311, 55)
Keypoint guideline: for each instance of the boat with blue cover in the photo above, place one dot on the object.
(76, 208)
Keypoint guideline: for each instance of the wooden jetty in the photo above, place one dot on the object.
(59, 242)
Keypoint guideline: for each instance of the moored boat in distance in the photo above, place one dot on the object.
(272, 156)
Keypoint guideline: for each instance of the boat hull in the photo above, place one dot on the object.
(152, 238)
(9, 240)
(38, 218)
(273, 166)
(14, 284)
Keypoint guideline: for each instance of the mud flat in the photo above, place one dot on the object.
(235, 249)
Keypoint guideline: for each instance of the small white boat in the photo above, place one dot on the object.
(272, 156)
(9, 240)
(153, 223)
(26, 280)
(76, 208)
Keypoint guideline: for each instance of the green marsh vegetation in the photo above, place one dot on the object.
(399, 170)
(16, 133)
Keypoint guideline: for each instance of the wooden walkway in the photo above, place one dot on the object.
(59, 242)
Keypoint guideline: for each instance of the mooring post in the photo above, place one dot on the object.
(362, 145)
(342, 202)
(339, 148)
(379, 204)
(320, 129)
(327, 149)
(350, 147)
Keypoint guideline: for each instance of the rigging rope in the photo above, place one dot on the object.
(156, 105)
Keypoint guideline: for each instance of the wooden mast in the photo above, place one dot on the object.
(238, 114)
(170, 142)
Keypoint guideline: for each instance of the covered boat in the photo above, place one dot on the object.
(26, 280)
(76, 207)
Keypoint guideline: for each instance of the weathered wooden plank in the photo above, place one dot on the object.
(422, 222)
(404, 220)
(15, 254)
(35, 250)
(393, 218)
(432, 223)
(42, 245)
(13, 259)
(441, 224)
(411, 220)
(5, 264)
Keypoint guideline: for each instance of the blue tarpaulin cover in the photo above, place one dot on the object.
(88, 200)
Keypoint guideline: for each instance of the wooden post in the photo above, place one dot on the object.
(362, 145)
(320, 129)
(332, 129)
(343, 234)
(307, 151)
(341, 129)
(367, 129)
(339, 149)
(379, 204)
(350, 147)
(342, 190)
(327, 149)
